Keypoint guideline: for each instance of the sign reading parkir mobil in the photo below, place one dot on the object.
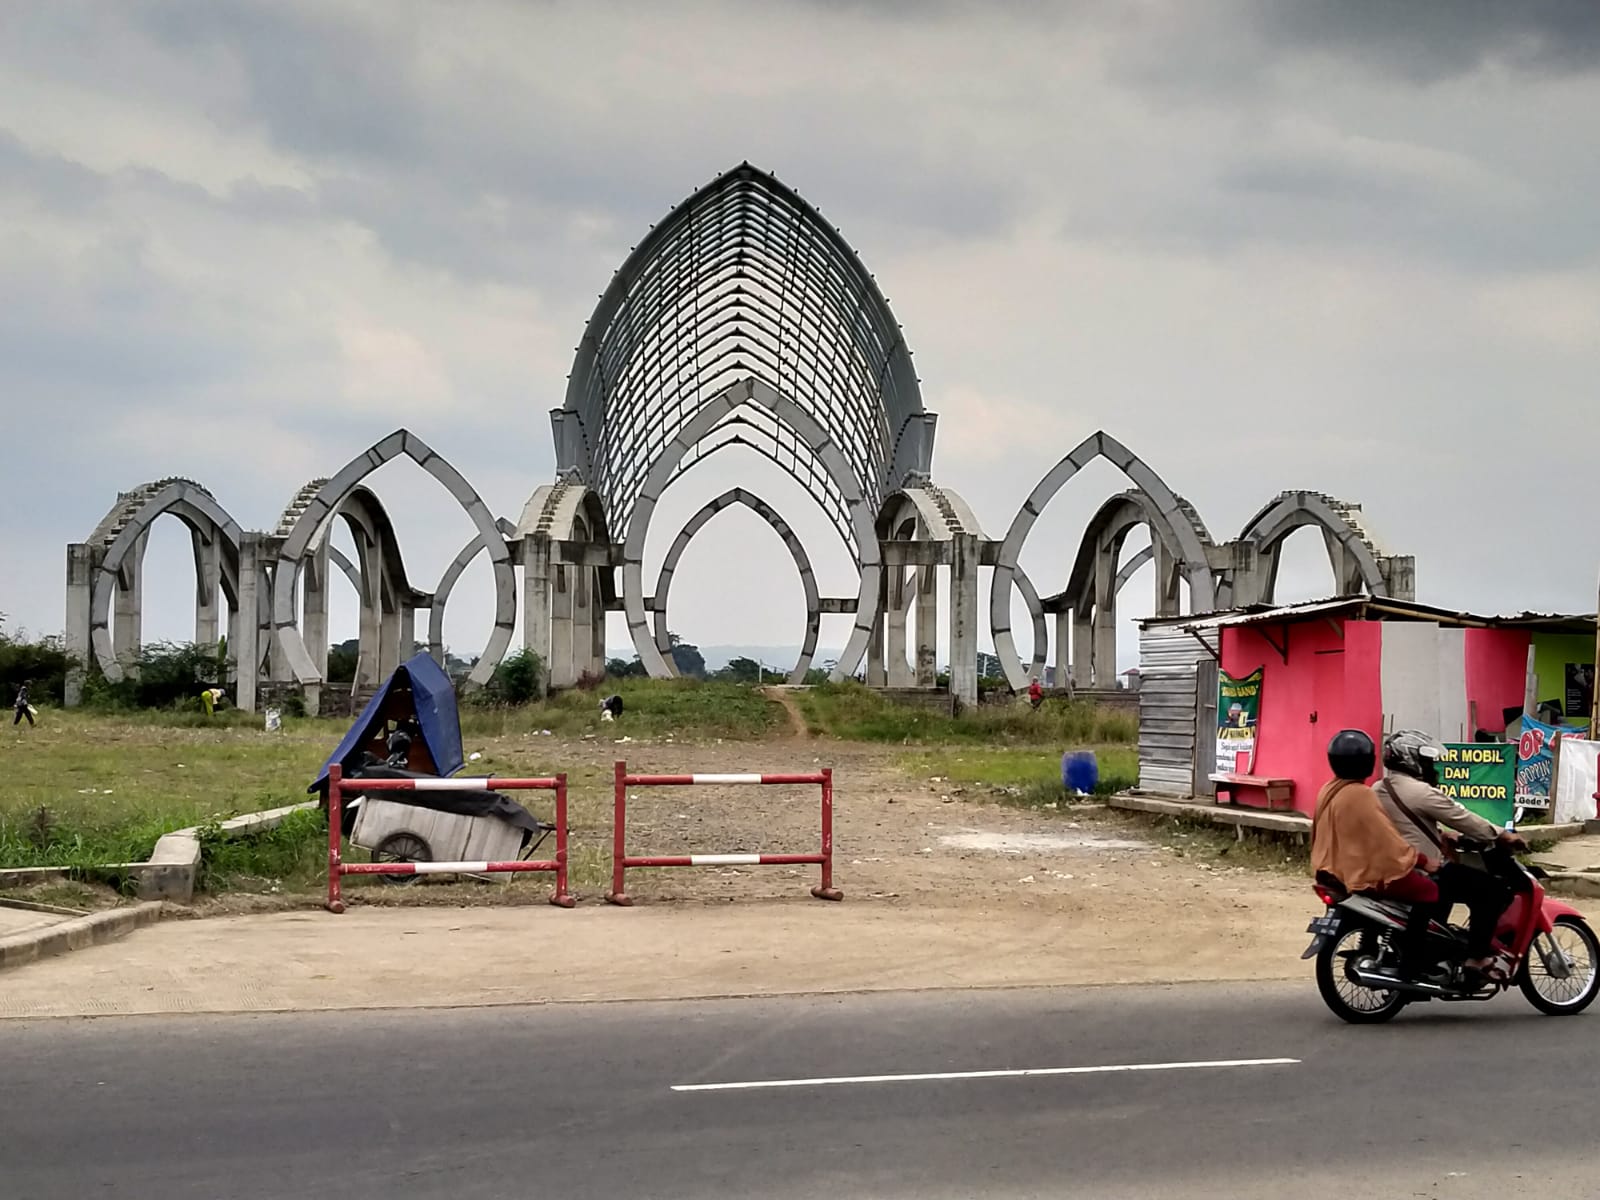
(1482, 777)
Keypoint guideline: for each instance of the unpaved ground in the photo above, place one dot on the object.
(942, 890)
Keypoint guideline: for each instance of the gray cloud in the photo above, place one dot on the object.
(1268, 244)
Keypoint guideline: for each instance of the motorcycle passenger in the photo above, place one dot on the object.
(1410, 794)
(1353, 839)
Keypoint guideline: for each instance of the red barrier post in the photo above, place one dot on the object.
(619, 837)
(562, 897)
(827, 891)
(335, 820)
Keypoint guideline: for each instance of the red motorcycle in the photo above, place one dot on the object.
(1541, 945)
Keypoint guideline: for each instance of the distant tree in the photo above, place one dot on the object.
(342, 661)
(686, 657)
(623, 668)
(742, 670)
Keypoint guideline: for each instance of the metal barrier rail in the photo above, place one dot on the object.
(621, 860)
(338, 868)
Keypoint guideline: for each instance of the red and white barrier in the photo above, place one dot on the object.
(338, 868)
(621, 860)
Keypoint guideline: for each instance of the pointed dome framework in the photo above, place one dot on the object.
(742, 280)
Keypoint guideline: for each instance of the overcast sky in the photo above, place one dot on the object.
(1351, 246)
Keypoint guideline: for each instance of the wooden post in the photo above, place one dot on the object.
(1530, 686)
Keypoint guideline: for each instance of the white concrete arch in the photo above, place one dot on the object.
(311, 525)
(750, 391)
(122, 538)
(797, 551)
(1202, 587)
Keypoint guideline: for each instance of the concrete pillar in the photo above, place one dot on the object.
(1169, 595)
(207, 587)
(389, 618)
(1105, 620)
(584, 621)
(1063, 635)
(127, 627)
(536, 602)
(562, 674)
(408, 630)
(1082, 649)
(597, 626)
(369, 558)
(877, 672)
(80, 601)
(246, 647)
(314, 609)
(927, 626)
(900, 675)
(964, 563)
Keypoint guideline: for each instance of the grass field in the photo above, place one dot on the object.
(86, 788)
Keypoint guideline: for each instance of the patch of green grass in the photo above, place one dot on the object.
(291, 857)
(86, 788)
(854, 712)
(1028, 777)
(688, 709)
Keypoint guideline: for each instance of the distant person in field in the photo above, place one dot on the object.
(1035, 692)
(23, 706)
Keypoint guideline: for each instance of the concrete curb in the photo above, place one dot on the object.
(92, 930)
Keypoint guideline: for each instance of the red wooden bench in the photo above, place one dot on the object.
(1278, 792)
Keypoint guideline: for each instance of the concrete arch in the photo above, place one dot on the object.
(1351, 553)
(750, 391)
(311, 525)
(797, 551)
(447, 584)
(121, 539)
(1202, 587)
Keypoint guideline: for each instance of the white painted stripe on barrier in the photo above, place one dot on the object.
(726, 778)
(450, 868)
(725, 860)
(449, 785)
(1019, 1074)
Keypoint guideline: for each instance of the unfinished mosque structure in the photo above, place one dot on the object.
(742, 319)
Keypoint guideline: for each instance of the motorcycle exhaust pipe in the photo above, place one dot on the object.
(1388, 983)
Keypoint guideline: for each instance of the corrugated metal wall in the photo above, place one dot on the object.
(1168, 733)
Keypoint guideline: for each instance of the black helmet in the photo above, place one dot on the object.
(399, 742)
(1352, 755)
(1412, 752)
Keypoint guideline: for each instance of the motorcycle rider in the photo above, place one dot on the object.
(1410, 795)
(1354, 840)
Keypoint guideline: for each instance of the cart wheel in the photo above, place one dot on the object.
(398, 848)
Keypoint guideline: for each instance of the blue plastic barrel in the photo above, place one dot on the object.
(1080, 771)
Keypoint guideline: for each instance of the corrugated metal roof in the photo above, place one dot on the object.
(1378, 607)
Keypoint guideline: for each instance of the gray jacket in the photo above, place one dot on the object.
(1433, 808)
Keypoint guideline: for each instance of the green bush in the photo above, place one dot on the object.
(296, 850)
(42, 664)
(852, 711)
(166, 675)
(515, 680)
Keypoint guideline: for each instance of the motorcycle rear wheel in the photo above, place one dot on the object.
(1563, 997)
(1345, 997)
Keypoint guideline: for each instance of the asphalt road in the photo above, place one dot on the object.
(579, 1101)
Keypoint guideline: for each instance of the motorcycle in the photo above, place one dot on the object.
(1541, 945)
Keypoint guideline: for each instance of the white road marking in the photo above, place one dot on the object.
(1016, 1074)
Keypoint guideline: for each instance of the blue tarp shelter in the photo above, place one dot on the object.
(433, 703)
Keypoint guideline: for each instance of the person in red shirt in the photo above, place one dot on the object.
(1035, 692)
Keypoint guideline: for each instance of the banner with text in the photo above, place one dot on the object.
(1238, 714)
(1482, 777)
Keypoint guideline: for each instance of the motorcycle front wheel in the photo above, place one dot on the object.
(1348, 998)
(1560, 975)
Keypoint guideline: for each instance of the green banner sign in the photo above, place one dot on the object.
(1482, 777)
(1238, 714)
